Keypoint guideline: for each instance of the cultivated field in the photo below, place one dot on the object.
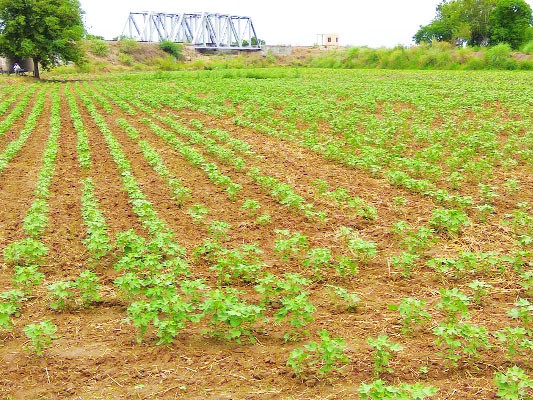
(267, 234)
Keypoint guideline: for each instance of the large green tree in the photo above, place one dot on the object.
(47, 31)
(458, 22)
(510, 22)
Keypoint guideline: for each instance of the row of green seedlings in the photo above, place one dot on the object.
(141, 206)
(414, 241)
(218, 230)
(17, 111)
(281, 191)
(27, 254)
(14, 95)
(370, 157)
(150, 268)
(85, 290)
(456, 338)
(154, 276)
(329, 354)
(278, 189)
(14, 147)
(170, 301)
(372, 160)
(97, 238)
(316, 259)
(449, 224)
(344, 200)
(226, 258)
(228, 264)
(181, 193)
(333, 150)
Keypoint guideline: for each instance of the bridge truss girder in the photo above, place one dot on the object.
(202, 30)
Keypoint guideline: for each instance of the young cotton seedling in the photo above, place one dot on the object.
(517, 340)
(264, 219)
(197, 212)
(6, 311)
(328, 354)
(453, 302)
(378, 390)
(251, 206)
(298, 310)
(350, 301)
(480, 289)
(383, 352)
(26, 276)
(460, 338)
(522, 311)
(413, 312)
(230, 317)
(404, 263)
(318, 259)
(290, 245)
(40, 334)
(513, 384)
(63, 293)
(218, 230)
(449, 221)
(25, 252)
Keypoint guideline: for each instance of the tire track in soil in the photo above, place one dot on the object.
(17, 183)
(113, 199)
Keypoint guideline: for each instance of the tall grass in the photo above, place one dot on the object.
(438, 55)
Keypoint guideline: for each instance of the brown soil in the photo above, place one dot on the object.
(96, 355)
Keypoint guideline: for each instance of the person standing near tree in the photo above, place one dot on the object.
(16, 68)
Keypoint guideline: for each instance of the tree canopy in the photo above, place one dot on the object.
(47, 31)
(478, 23)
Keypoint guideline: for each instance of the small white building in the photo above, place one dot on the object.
(328, 40)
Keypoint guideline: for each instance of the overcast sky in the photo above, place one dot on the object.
(372, 23)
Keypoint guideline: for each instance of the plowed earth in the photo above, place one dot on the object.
(96, 355)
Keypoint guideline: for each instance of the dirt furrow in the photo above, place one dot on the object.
(66, 229)
(108, 185)
(17, 182)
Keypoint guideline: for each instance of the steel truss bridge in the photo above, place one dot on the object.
(205, 31)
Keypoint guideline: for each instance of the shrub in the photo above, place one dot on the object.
(128, 46)
(168, 64)
(125, 59)
(172, 48)
(98, 47)
(528, 47)
(499, 56)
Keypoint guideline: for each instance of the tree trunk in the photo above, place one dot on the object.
(36, 68)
